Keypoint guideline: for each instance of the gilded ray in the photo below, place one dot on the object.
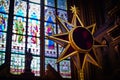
(78, 42)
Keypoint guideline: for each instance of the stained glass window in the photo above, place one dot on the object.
(35, 1)
(34, 11)
(62, 14)
(50, 3)
(18, 44)
(4, 10)
(20, 8)
(26, 34)
(2, 57)
(50, 48)
(19, 25)
(50, 29)
(3, 22)
(4, 6)
(17, 64)
(35, 66)
(49, 14)
(65, 70)
(34, 45)
(62, 4)
(34, 28)
(52, 62)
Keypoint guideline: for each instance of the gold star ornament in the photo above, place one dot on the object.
(78, 42)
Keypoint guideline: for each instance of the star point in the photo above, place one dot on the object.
(78, 42)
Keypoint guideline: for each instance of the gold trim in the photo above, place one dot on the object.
(73, 44)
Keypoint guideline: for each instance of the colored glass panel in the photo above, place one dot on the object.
(50, 44)
(62, 4)
(35, 1)
(19, 25)
(52, 62)
(2, 57)
(17, 64)
(35, 65)
(3, 22)
(2, 41)
(4, 6)
(50, 49)
(34, 11)
(34, 44)
(62, 14)
(18, 44)
(50, 3)
(65, 69)
(34, 27)
(49, 14)
(20, 8)
(50, 29)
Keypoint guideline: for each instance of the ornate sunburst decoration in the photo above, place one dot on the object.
(78, 42)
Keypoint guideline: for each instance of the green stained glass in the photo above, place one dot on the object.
(19, 25)
(18, 44)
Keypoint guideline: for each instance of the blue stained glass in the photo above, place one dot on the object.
(62, 14)
(50, 29)
(49, 14)
(50, 3)
(20, 8)
(50, 50)
(3, 22)
(34, 11)
(4, 6)
(62, 4)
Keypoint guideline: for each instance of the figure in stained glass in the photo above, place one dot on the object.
(50, 31)
(2, 27)
(34, 31)
(19, 27)
(49, 14)
(4, 5)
